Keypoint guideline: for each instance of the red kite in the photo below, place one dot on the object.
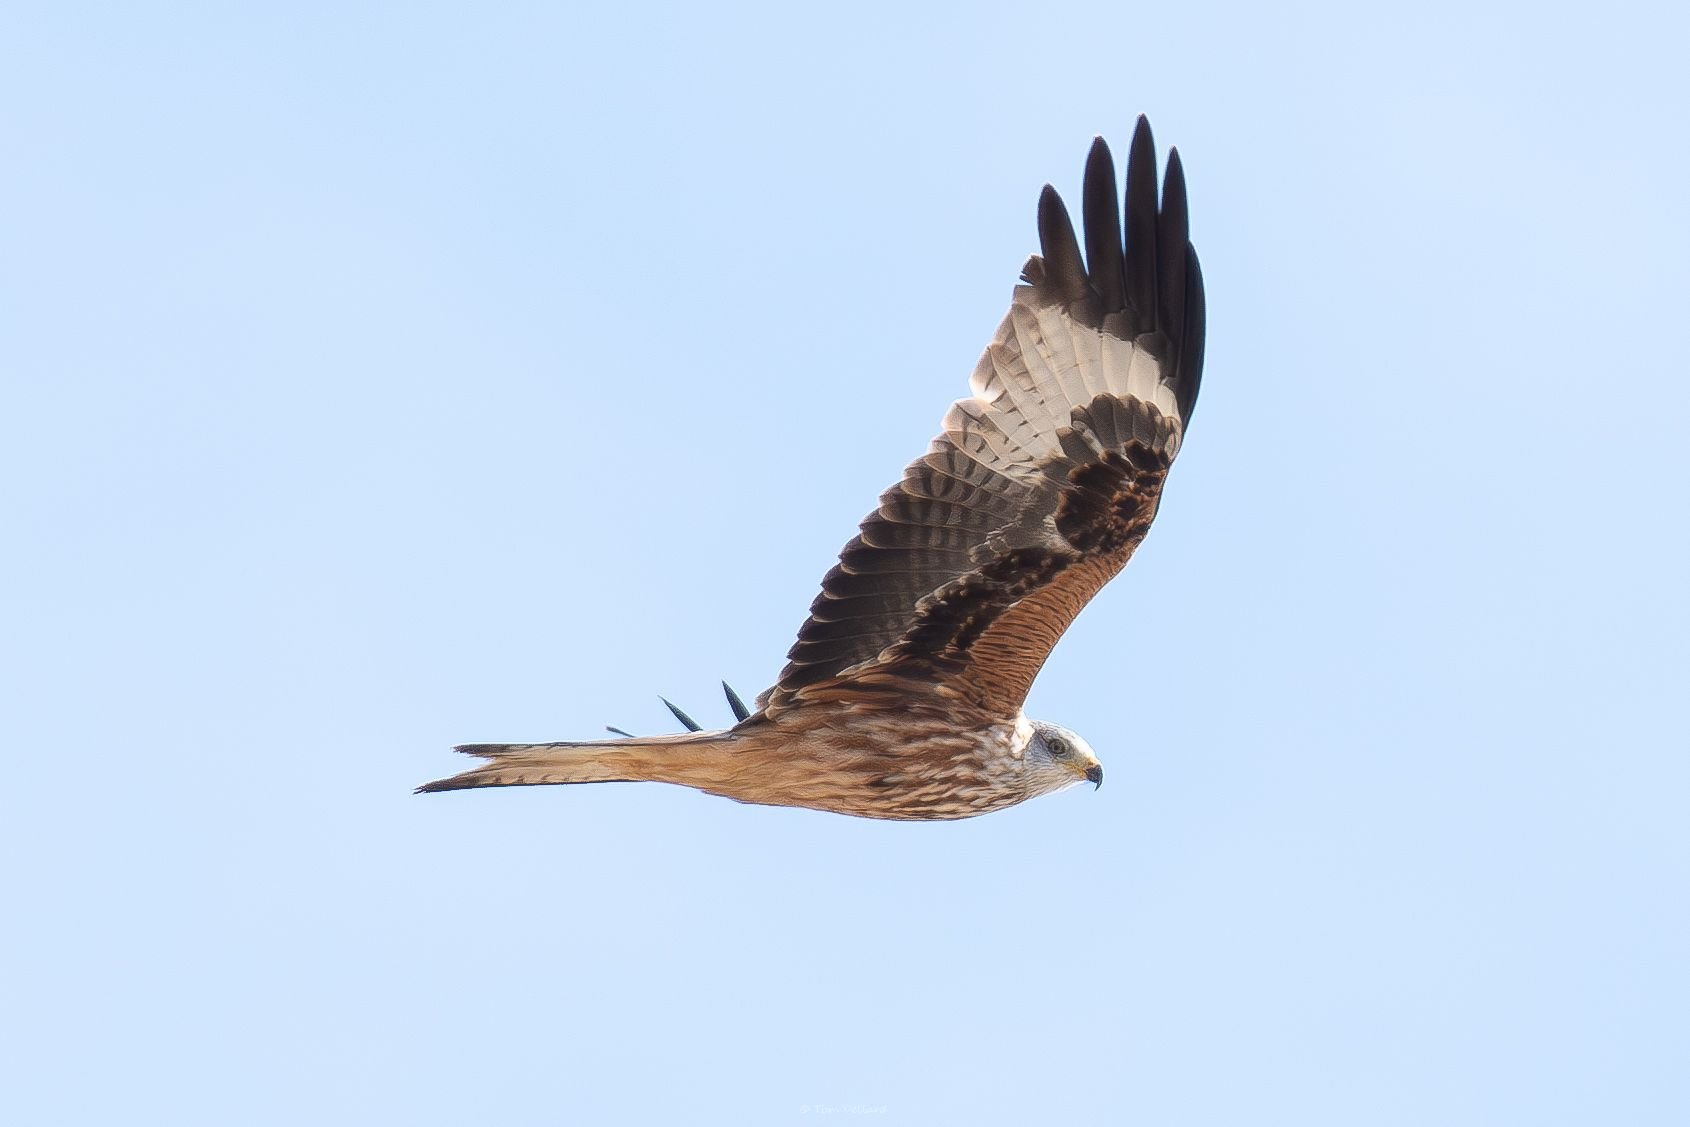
(902, 696)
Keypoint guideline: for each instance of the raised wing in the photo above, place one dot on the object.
(1045, 479)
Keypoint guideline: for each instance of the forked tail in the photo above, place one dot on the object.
(656, 758)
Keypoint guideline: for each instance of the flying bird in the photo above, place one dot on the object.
(902, 697)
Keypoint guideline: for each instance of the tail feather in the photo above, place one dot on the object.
(595, 761)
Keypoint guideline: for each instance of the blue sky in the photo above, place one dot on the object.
(378, 379)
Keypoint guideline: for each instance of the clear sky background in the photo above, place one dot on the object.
(382, 378)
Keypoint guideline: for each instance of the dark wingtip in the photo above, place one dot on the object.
(1191, 349)
(1102, 215)
(1173, 176)
(615, 731)
(1164, 283)
(1142, 134)
(691, 724)
(1049, 197)
(738, 706)
(1060, 248)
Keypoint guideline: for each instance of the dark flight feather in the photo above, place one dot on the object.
(1034, 476)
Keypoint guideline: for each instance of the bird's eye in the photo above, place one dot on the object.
(1058, 747)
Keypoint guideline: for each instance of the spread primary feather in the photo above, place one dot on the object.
(902, 694)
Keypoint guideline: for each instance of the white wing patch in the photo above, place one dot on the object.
(1038, 368)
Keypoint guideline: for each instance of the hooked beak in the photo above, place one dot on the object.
(1094, 775)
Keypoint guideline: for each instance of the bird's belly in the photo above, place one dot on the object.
(936, 776)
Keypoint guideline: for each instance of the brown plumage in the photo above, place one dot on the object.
(902, 695)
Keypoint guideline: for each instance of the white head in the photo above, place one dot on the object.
(1057, 759)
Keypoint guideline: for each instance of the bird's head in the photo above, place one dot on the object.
(1058, 758)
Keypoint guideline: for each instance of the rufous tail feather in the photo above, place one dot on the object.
(597, 761)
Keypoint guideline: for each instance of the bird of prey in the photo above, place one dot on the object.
(902, 697)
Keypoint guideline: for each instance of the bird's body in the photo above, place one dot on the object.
(900, 758)
(902, 696)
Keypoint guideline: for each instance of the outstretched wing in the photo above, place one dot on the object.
(1045, 479)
